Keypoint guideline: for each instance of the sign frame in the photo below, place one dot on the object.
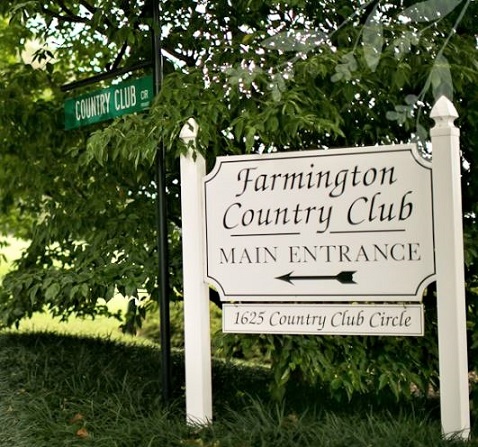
(337, 282)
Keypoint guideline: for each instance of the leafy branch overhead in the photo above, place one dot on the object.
(386, 30)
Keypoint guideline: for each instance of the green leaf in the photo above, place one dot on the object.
(85, 290)
(250, 138)
(295, 40)
(441, 79)
(52, 292)
(372, 39)
(430, 10)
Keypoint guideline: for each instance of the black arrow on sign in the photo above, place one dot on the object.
(342, 277)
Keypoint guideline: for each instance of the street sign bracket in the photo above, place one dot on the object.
(110, 74)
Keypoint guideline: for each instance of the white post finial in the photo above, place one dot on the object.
(444, 113)
(451, 304)
(189, 131)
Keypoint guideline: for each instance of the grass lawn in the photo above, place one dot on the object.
(65, 390)
(100, 326)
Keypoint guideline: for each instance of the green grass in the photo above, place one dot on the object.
(59, 390)
(99, 327)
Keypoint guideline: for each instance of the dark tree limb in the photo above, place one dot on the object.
(63, 18)
(118, 57)
(88, 7)
(67, 10)
(215, 298)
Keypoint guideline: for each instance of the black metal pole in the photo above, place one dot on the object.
(162, 223)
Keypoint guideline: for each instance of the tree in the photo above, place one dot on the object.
(257, 76)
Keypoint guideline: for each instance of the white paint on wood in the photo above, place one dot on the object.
(197, 343)
(454, 394)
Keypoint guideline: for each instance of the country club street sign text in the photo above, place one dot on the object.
(323, 319)
(117, 100)
(338, 225)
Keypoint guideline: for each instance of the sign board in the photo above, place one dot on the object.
(323, 319)
(321, 225)
(117, 100)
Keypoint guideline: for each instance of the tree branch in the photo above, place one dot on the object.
(188, 60)
(118, 58)
(93, 10)
(63, 18)
(89, 7)
(67, 10)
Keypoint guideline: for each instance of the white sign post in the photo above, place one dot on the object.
(197, 344)
(451, 305)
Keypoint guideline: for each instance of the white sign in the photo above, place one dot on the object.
(336, 206)
(334, 225)
(323, 319)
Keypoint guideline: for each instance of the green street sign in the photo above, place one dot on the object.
(117, 100)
